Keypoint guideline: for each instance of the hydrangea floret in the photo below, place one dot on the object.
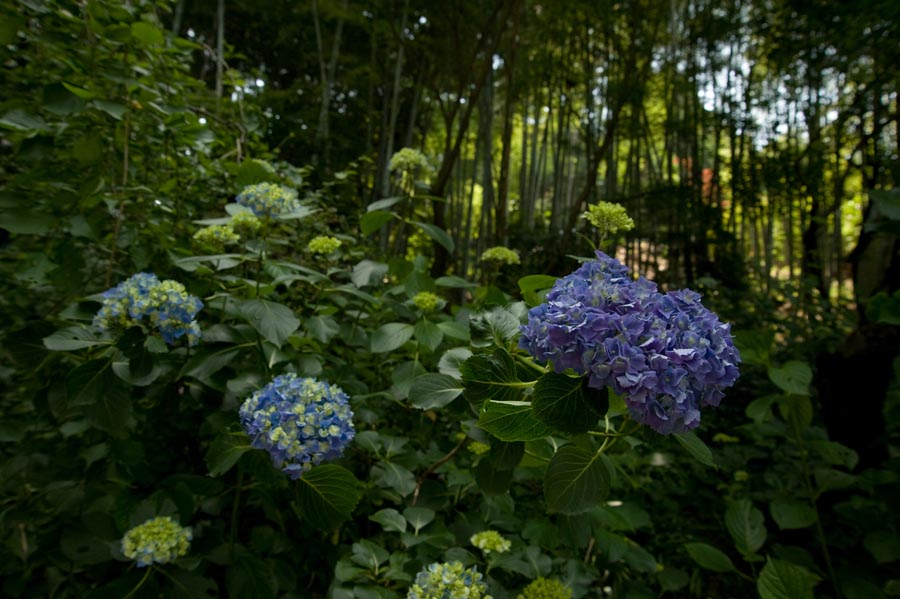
(323, 244)
(501, 255)
(408, 159)
(427, 301)
(166, 305)
(268, 199)
(490, 541)
(664, 353)
(478, 448)
(448, 580)
(301, 422)
(608, 218)
(245, 222)
(545, 588)
(156, 541)
(216, 237)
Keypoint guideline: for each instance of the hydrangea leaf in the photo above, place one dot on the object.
(567, 404)
(390, 519)
(224, 452)
(695, 446)
(492, 480)
(275, 322)
(793, 378)
(532, 286)
(369, 555)
(792, 513)
(453, 282)
(494, 327)
(372, 221)
(437, 234)
(71, 339)
(390, 337)
(418, 517)
(368, 272)
(385, 203)
(709, 558)
(783, 580)
(746, 525)
(207, 362)
(511, 421)
(506, 455)
(433, 391)
(576, 481)
(491, 377)
(323, 328)
(327, 495)
(428, 334)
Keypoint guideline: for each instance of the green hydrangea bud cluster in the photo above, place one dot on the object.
(156, 541)
(245, 223)
(268, 199)
(449, 580)
(408, 160)
(479, 448)
(426, 301)
(216, 237)
(490, 541)
(543, 588)
(609, 218)
(501, 255)
(323, 244)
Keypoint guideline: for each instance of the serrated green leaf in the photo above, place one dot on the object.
(454, 282)
(19, 120)
(390, 337)
(385, 203)
(511, 421)
(792, 513)
(437, 234)
(372, 221)
(709, 558)
(224, 452)
(695, 446)
(390, 519)
(794, 377)
(418, 517)
(147, 34)
(492, 480)
(327, 495)
(531, 287)
(783, 580)
(576, 481)
(275, 322)
(567, 404)
(506, 455)
(746, 525)
(323, 328)
(369, 555)
(428, 334)
(71, 339)
(492, 377)
(433, 391)
(368, 272)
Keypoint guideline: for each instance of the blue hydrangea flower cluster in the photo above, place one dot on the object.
(268, 199)
(301, 422)
(156, 541)
(143, 297)
(449, 580)
(666, 354)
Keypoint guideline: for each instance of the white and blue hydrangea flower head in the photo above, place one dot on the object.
(143, 298)
(268, 199)
(664, 353)
(301, 422)
(156, 541)
(448, 580)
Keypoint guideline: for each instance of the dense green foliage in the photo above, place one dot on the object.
(386, 273)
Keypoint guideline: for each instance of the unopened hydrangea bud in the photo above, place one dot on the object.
(479, 448)
(490, 541)
(268, 199)
(427, 301)
(500, 255)
(245, 223)
(301, 422)
(323, 244)
(544, 588)
(609, 218)
(448, 580)
(156, 541)
(166, 305)
(408, 159)
(216, 237)
(665, 354)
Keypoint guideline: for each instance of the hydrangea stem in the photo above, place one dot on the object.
(140, 584)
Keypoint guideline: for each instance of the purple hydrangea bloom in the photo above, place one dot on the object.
(301, 422)
(666, 354)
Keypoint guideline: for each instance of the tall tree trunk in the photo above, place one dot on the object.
(326, 74)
